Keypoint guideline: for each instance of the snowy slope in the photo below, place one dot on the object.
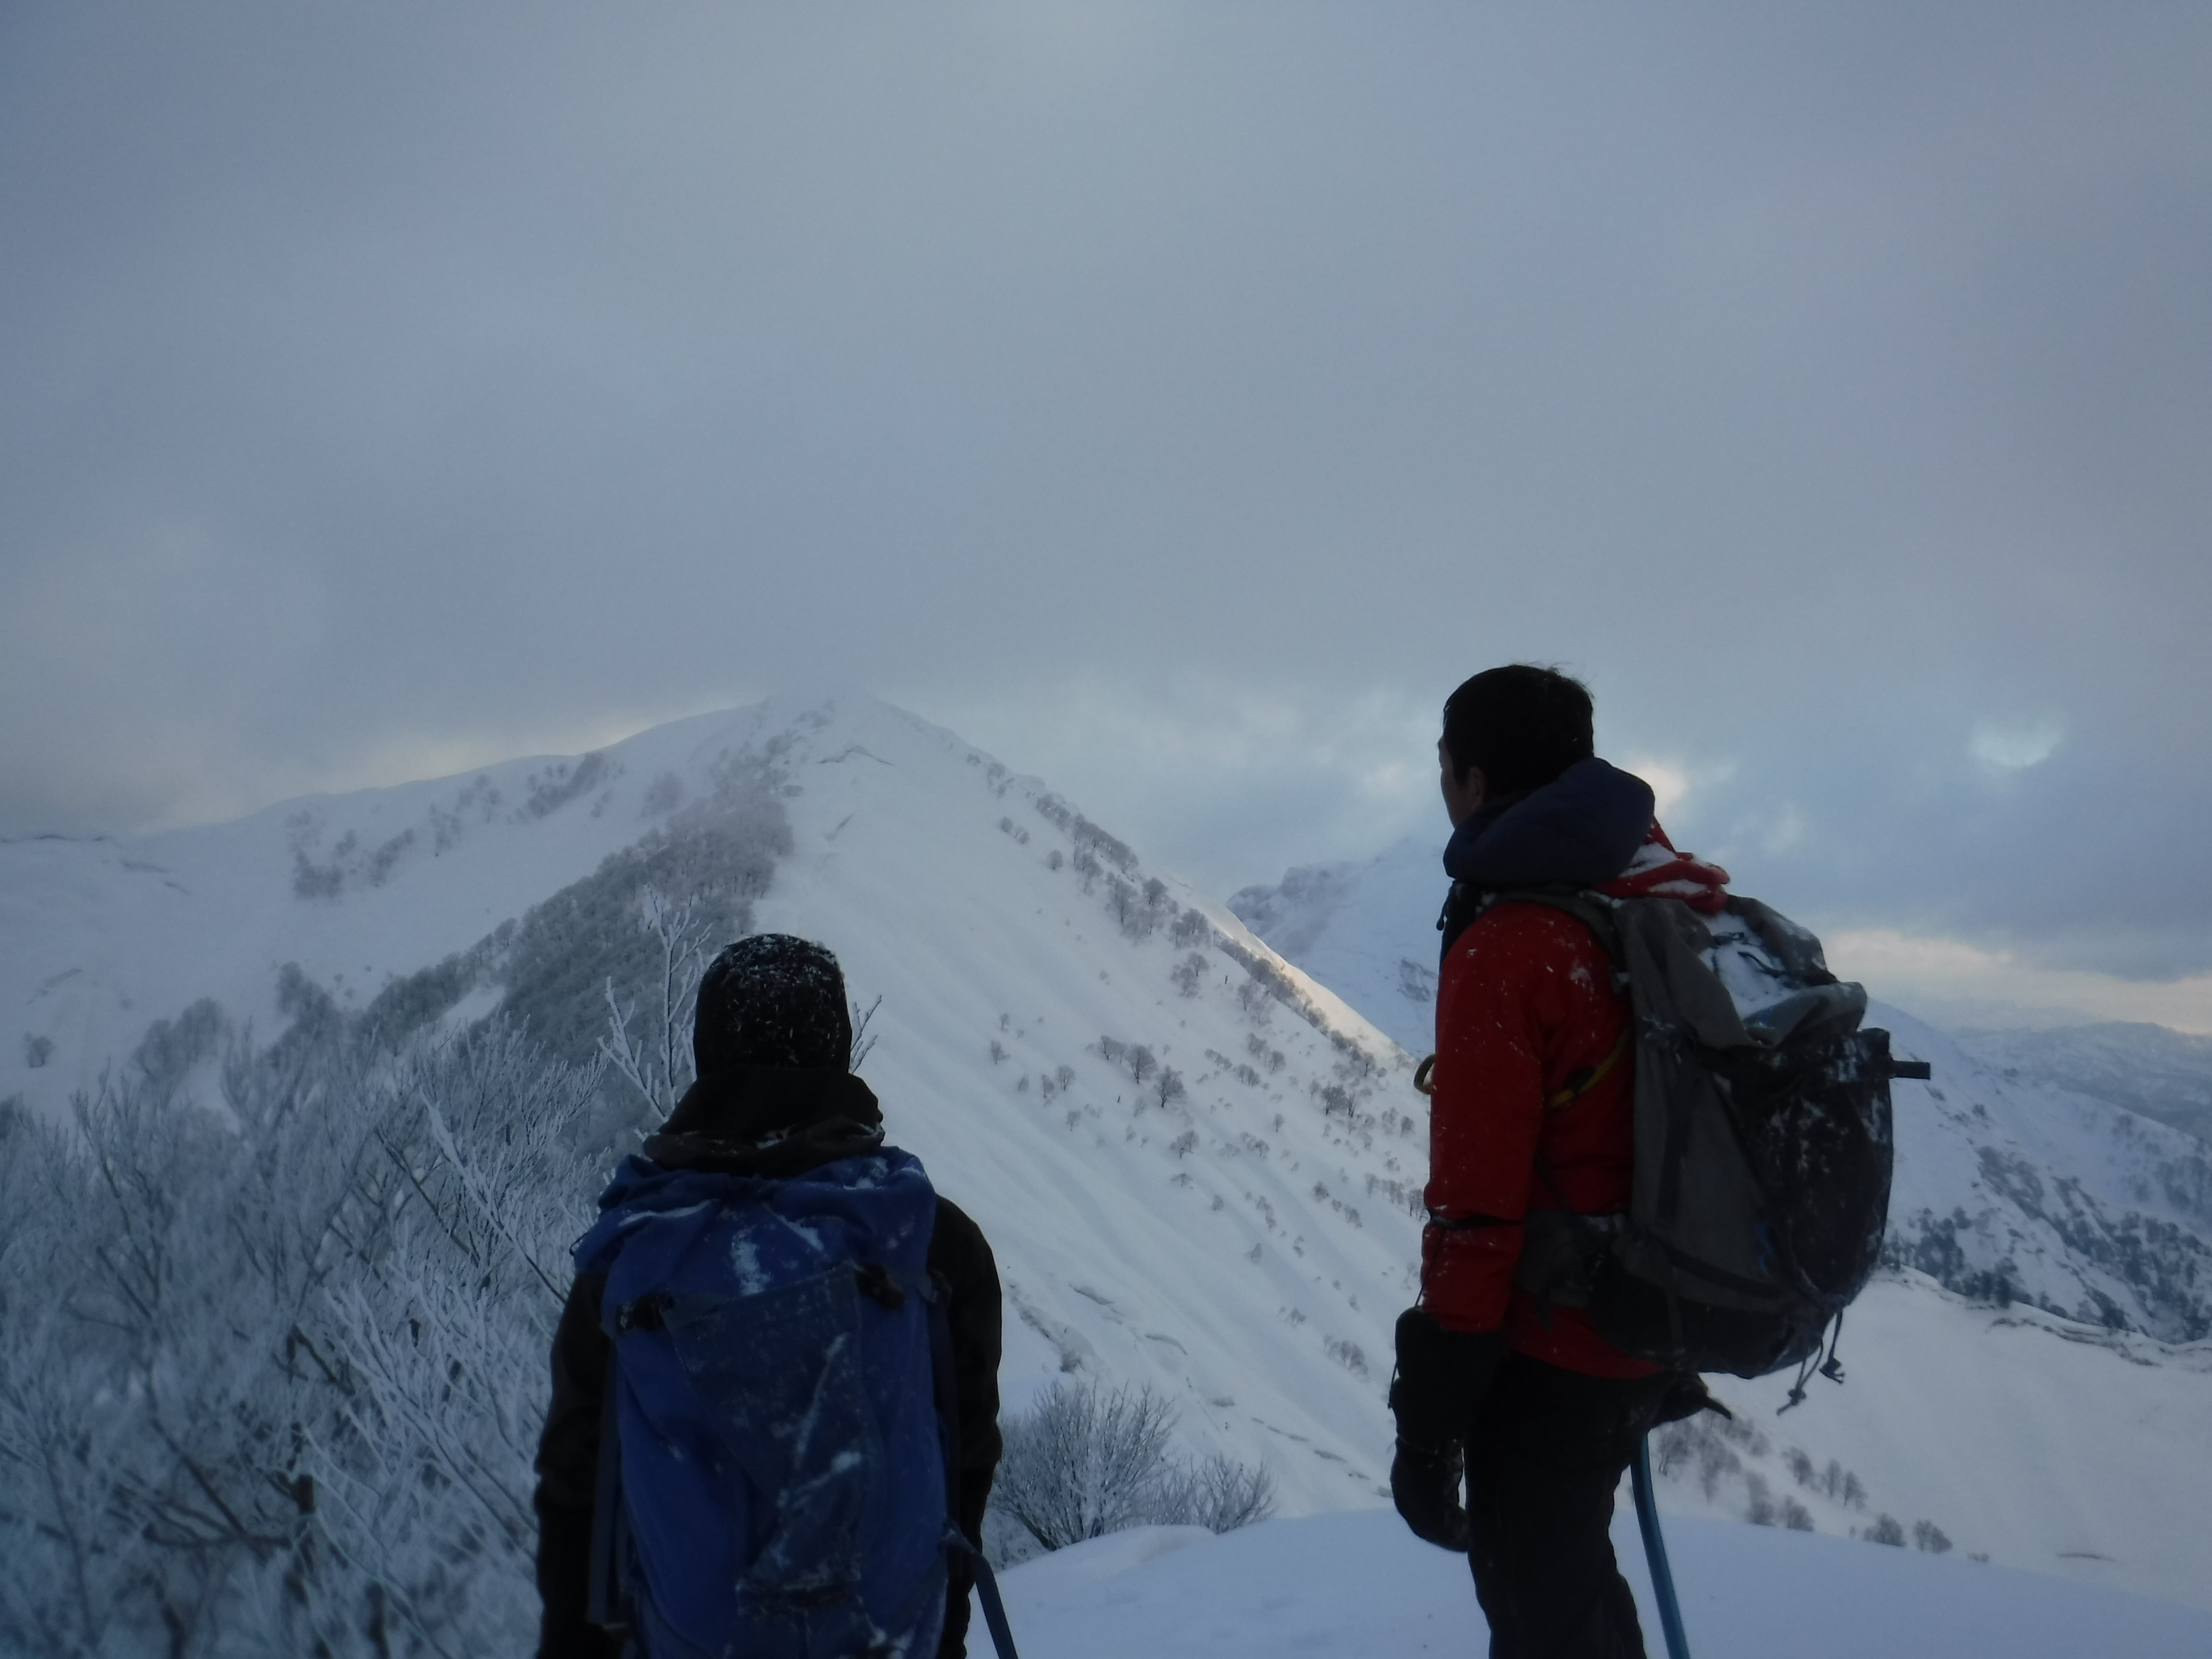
(2036, 1441)
(1359, 1587)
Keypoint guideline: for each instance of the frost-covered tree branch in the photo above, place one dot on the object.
(657, 1062)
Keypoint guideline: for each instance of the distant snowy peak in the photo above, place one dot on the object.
(1366, 929)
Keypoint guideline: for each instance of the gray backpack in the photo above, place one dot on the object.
(1763, 1149)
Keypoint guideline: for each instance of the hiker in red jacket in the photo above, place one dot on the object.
(1532, 1086)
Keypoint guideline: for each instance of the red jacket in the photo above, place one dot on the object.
(1526, 1000)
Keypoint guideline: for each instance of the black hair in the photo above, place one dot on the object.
(773, 999)
(1522, 725)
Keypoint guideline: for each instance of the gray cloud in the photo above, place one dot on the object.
(1828, 383)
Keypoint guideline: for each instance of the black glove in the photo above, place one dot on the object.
(1442, 1377)
(1425, 1485)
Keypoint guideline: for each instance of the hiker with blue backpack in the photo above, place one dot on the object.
(1659, 1145)
(775, 1414)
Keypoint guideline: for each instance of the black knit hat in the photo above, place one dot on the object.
(773, 999)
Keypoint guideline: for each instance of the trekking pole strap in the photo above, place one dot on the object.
(1654, 1555)
(995, 1610)
(947, 1388)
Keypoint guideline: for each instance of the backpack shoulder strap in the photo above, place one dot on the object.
(603, 1600)
(1593, 910)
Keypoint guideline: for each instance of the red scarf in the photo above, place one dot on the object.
(1658, 871)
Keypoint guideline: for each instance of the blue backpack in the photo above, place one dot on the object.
(775, 1475)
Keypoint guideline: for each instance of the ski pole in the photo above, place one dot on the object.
(1654, 1555)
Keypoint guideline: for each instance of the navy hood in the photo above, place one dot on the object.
(1578, 830)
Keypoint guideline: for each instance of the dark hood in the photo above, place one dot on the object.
(1578, 830)
(772, 1121)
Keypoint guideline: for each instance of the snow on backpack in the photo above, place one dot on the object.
(1763, 1154)
(774, 1472)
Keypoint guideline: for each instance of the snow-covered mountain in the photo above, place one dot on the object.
(1200, 1169)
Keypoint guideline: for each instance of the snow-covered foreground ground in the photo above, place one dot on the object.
(1360, 1584)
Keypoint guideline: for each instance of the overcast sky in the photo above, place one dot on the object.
(1177, 401)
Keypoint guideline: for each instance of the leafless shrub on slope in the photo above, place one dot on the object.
(1087, 1460)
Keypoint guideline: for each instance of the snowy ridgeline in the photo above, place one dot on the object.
(1200, 1171)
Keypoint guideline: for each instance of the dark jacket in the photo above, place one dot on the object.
(775, 1121)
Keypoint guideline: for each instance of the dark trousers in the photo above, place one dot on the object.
(1545, 1456)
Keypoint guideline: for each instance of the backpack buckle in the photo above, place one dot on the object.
(878, 1284)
